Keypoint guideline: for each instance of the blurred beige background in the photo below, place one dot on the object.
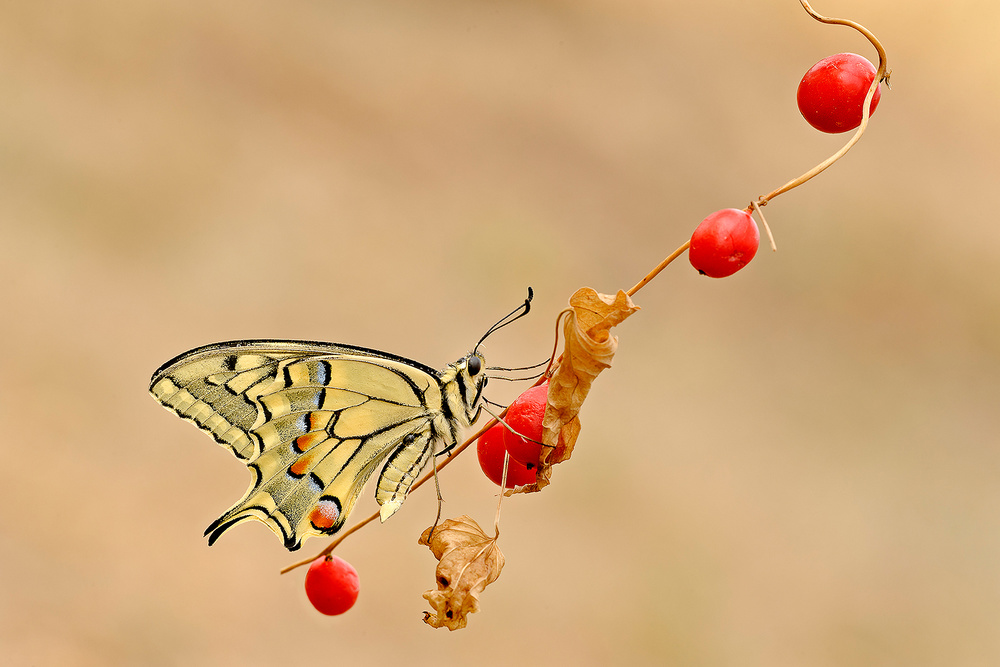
(795, 466)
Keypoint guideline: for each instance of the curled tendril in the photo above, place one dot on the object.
(881, 74)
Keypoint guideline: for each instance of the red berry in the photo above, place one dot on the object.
(332, 585)
(525, 417)
(832, 92)
(724, 243)
(491, 457)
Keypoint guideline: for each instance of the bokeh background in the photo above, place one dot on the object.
(798, 465)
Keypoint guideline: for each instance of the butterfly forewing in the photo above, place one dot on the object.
(312, 421)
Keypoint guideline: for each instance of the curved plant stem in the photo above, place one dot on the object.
(503, 485)
(882, 74)
(659, 267)
(767, 227)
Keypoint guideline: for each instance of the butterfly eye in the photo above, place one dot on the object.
(475, 365)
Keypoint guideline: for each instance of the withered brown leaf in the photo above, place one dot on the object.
(469, 560)
(588, 350)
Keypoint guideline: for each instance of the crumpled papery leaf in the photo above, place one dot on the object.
(469, 561)
(588, 350)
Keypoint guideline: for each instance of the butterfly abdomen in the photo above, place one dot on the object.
(401, 469)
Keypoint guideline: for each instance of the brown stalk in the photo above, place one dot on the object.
(882, 74)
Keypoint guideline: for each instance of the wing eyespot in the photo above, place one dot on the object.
(325, 514)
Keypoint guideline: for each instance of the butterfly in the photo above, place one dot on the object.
(313, 421)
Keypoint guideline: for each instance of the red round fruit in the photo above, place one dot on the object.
(491, 450)
(832, 92)
(724, 243)
(332, 585)
(525, 417)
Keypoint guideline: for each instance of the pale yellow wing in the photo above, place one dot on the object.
(312, 422)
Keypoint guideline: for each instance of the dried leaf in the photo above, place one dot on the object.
(469, 561)
(588, 350)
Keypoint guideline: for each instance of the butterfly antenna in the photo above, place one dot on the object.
(510, 317)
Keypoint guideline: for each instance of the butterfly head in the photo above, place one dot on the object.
(464, 382)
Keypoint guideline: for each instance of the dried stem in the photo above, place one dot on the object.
(767, 227)
(659, 267)
(503, 485)
(882, 74)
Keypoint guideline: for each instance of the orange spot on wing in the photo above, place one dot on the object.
(325, 514)
(318, 420)
(304, 442)
(301, 466)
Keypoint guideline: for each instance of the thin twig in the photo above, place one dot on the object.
(881, 74)
(503, 485)
(440, 503)
(332, 545)
(767, 227)
(659, 267)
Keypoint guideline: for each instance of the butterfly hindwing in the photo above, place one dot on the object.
(312, 421)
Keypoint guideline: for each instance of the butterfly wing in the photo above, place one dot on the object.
(312, 422)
